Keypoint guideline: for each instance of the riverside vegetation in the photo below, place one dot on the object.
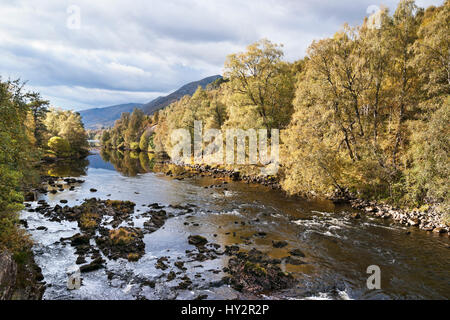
(363, 116)
(29, 132)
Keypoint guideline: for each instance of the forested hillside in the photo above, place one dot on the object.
(98, 118)
(188, 89)
(365, 112)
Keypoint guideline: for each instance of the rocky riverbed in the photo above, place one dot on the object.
(108, 233)
(176, 235)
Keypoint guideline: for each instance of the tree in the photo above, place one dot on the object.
(59, 146)
(427, 180)
(432, 51)
(261, 84)
(106, 137)
(39, 109)
(134, 126)
(16, 157)
(406, 21)
(353, 103)
(69, 126)
(73, 131)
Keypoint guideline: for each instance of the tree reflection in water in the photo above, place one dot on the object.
(130, 163)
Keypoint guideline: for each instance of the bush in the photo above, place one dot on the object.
(151, 143)
(59, 146)
(134, 146)
(12, 237)
(143, 143)
(428, 177)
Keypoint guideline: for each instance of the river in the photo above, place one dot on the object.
(338, 249)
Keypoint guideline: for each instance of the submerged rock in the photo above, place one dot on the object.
(296, 253)
(293, 261)
(279, 244)
(156, 221)
(96, 264)
(197, 240)
(161, 263)
(171, 276)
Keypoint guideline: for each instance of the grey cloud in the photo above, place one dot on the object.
(126, 50)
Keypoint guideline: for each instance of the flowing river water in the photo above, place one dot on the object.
(338, 249)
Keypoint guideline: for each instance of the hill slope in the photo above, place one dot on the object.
(187, 89)
(105, 117)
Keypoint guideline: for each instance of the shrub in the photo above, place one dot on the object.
(143, 143)
(89, 220)
(59, 146)
(121, 236)
(12, 237)
(134, 146)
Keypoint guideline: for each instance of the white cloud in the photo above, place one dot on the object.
(131, 51)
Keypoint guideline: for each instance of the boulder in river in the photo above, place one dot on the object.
(94, 265)
(279, 244)
(125, 242)
(197, 240)
(255, 272)
(296, 253)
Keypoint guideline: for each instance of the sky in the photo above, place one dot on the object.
(82, 54)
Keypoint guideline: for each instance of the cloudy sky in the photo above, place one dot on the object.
(133, 51)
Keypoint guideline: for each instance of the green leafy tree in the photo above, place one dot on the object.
(69, 126)
(39, 109)
(15, 158)
(59, 146)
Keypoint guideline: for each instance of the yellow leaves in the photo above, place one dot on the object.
(353, 102)
(89, 220)
(259, 79)
(121, 236)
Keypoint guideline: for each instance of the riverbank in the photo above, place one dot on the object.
(20, 277)
(427, 218)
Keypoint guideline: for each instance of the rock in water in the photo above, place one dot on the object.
(255, 272)
(94, 265)
(279, 244)
(197, 240)
(297, 253)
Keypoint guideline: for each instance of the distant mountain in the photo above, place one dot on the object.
(105, 117)
(188, 89)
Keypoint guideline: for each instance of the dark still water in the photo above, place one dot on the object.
(338, 249)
